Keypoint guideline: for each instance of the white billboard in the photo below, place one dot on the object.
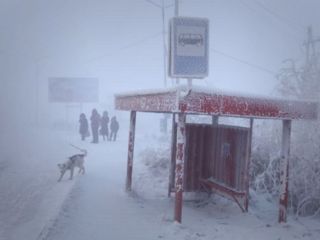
(189, 43)
(73, 90)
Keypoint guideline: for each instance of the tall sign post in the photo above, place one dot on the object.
(188, 59)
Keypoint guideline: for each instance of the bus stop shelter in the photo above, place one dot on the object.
(182, 101)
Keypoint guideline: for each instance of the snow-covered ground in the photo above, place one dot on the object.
(33, 205)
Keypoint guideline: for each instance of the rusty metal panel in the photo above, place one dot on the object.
(195, 155)
(215, 152)
(209, 149)
(200, 152)
(231, 157)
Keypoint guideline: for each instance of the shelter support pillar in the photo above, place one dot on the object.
(179, 172)
(247, 173)
(130, 150)
(173, 153)
(284, 170)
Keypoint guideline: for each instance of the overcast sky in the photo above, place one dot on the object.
(120, 42)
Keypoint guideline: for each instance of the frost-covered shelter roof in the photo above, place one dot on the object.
(213, 102)
(181, 101)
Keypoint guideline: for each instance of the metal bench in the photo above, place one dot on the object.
(211, 185)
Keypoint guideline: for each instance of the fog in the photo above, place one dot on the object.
(120, 43)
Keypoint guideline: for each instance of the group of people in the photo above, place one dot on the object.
(99, 125)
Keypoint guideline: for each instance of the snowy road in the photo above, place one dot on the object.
(98, 208)
(95, 205)
(30, 195)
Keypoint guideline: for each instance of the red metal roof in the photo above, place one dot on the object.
(202, 101)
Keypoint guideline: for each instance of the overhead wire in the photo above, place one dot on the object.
(158, 5)
(130, 45)
(253, 65)
(153, 3)
(295, 30)
(136, 43)
(147, 38)
(278, 16)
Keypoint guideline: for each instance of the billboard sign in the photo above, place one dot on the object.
(189, 43)
(71, 90)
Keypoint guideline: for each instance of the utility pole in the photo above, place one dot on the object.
(37, 71)
(310, 44)
(176, 14)
(311, 68)
(162, 7)
(164, 46)
(176, 8)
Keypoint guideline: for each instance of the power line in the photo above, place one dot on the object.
(130, 45)
(158, 5)
(139, 42)
(295, 28)
(145, 39)
(278, 16)
(154, 4)
(253, 65)
(162, 7)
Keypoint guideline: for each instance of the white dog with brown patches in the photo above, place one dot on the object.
(76, 160)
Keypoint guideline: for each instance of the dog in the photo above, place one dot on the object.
(76, 160)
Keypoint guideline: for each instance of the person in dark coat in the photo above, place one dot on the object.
(84, 127)
(114, 127)
(95, 123)
(104, 130)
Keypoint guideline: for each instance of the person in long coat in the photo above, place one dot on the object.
(95, 123)
(104, 130)
(84, 127)
(114, 127)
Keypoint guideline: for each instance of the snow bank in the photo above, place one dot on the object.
(95, 206)
(30, 195)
